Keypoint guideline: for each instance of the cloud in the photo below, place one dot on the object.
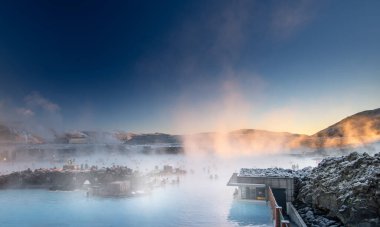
(212, 38)
(289, 17)
(228, 110)
(217, 91)
(34, 113)
(232, 25)
(35, 99)
(25, 112)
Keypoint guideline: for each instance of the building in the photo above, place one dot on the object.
(168, 169)
(253, 184)
(77, 138)
(118, 187)
(115, 188)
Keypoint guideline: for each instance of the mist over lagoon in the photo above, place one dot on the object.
(171, 205)
(190, 113)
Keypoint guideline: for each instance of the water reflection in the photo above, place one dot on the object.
(250, 213)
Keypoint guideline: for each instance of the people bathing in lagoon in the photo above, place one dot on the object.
(215, 176)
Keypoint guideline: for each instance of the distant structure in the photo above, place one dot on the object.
(168, 169)
(115, 188)
(70, 165)
(118, 188)
(86, 184)
(77, 138)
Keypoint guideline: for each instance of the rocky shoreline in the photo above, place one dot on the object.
(70, 177)
(315, 217)
(346, 188)
(58, 179)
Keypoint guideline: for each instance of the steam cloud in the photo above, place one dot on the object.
(228, 108)
(36, 115)
(35, 99)
(230, 27)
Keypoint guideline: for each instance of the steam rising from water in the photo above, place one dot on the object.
(229, 113)
(362, 130)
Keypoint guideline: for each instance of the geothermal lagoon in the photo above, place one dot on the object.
(171, 206)
(197, 200)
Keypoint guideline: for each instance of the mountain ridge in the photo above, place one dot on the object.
(362, 127)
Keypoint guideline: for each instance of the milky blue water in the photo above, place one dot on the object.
(195, 202)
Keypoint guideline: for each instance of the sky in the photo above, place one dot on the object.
(188, 66)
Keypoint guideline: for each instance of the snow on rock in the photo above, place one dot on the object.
(275, 172)
(347, 188)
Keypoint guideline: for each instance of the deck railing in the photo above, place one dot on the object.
(279, 220)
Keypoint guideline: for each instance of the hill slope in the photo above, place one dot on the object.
(360, 128)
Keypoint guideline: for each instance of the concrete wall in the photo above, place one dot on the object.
(273, 182)
(294, 215)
